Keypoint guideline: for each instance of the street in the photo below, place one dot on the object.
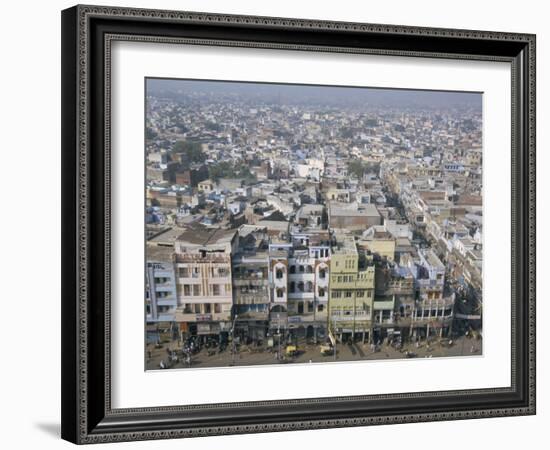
(248, 356)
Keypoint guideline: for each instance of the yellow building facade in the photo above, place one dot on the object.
(351, 293)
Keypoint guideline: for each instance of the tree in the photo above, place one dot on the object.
(226, 169)
(359, 168)
(192, 151)
(150, 133)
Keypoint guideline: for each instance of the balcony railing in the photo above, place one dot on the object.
(207, 317)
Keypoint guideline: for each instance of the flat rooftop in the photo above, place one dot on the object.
(200, 235)
(159, 253)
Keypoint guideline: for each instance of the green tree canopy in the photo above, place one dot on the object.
(226, 169)
(359, 168)
(192, 150)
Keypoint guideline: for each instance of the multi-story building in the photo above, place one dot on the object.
(251, 296)
(308, 281)
(202, 261)
(351, 292)
(433, 314)
(352, 217)
(394, 301)
(279, 251)
(160, 291)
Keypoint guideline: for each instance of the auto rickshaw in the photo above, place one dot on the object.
(291, 350)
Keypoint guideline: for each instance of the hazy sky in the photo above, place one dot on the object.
(289, 93)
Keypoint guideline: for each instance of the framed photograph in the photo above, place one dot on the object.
(282, 224)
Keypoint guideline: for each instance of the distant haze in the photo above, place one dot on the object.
(314, 94)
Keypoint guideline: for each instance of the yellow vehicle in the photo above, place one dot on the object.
(291, 350)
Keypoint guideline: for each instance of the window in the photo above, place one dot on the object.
(217, 308)
(300, 308)
(207, 308)
(322, 273)
(292, 269)
(280, 293)
(196, 272)
(186, 290)
(183, 272)
(301, 269)
(320, 308)
(309, 286)
(310, 307)
(279, 274)
(360, 293)
(301, 286)
(321, 292)
(196, 290)
(292, 287)
(197, 308)
(309, 269)
(348, 294)
(215, 289)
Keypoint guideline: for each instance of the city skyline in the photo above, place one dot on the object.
(310, 224)
(315, 93)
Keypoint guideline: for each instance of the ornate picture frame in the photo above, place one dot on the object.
(88, 33)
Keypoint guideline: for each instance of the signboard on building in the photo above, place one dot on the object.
(203, 317)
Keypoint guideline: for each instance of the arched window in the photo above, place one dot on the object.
(280, 293)
(309, 269)
(322, 273)
(292, 269)
(309, 286)
(279, 274)
(301, 286)
(292, 286)
(321, 292)
(301, 269)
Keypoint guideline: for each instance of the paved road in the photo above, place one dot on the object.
(309, 354)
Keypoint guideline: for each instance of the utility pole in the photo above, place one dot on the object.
(279, 336)
(233, 339)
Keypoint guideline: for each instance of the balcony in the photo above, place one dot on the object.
(207, 317)
(433, 321)
(301, 276)
(167, 301)
(250, 282)
(253, 315)
(250, 275)
(251, 298)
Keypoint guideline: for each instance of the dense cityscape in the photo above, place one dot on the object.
(289, 224)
